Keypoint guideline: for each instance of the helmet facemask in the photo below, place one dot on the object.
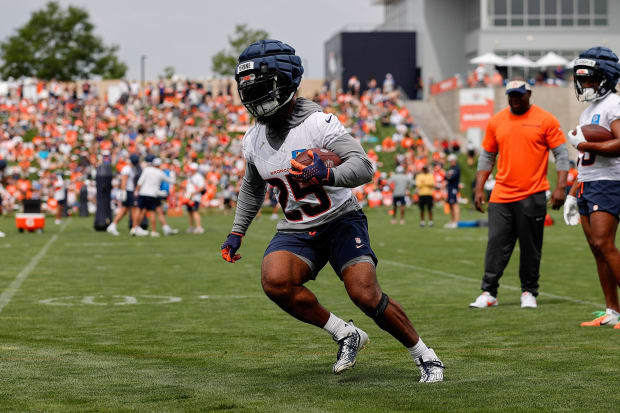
(262, 96)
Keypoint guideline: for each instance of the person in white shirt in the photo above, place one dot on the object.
(594, 198)
(195, 188)
(129, 204)
(148, 198)
(59, 196)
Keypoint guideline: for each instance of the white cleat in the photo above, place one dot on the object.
(154, 234)
(348, 347)
(528, 300)
(112, 229)
(431, 368)
(2, 234)
(484, 300)
(199, 230)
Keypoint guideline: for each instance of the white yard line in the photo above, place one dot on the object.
(463, 278)
(8, 294)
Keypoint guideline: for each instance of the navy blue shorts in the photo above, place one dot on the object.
(150, 203)
(192, 207)
(337, 242)
(599, 196)
(130, 201)
(452, 195)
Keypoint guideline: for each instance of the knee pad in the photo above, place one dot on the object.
(377, 313)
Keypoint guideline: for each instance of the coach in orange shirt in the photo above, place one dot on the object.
(522, 136)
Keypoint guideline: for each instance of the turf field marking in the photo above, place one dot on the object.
(209, 297)
(121, 300)
(8, 294)
(463, 278)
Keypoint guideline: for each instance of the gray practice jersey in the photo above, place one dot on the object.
(401, 183)
(268, 154)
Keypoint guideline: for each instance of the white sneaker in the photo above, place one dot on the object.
(199, 230)
(274, 217)
(528, 300)
(393, 221)
(451, 225)
(170, 231)
(139, 232)
(2, 234)
(402, 222)
(112, 229)
(431, 368)
(484, 300)
(154, 234)
(348, 347)
(57, 222)
(189, 230)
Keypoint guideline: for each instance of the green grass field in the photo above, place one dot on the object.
(165, 325)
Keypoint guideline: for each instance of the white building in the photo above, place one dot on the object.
(450, 32)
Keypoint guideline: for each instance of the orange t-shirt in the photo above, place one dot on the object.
(522, 143)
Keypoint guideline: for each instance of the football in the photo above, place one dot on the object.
(329, 158)
(596, 133)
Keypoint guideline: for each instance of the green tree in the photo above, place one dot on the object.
(168, 72)
(225, 61)
(59, 43)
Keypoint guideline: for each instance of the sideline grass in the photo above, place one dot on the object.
(236, 351)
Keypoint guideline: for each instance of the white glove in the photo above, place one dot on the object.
(122, 196)
(571, 212)
(575, 136)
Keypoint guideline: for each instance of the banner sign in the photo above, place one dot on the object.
(476, 107)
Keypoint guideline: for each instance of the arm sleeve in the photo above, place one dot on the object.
(355, 169)
(486, 160)
(561, 157)
(250, 199)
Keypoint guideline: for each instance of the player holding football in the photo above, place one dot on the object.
(596, 73)
(323, 221)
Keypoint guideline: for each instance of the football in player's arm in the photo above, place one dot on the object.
(594, 198)
(322, 220)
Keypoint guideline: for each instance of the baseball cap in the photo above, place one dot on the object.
(519, 86)
(156, 162)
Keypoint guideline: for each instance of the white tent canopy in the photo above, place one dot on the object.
(551, 59)
(518, 60)
(488, 59)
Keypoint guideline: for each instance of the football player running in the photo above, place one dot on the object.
(595, 195)
(323, 221)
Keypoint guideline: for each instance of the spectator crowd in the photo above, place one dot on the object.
(54, 135)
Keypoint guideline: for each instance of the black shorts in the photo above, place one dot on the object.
(425, 201)
(130, 201)
(150, 203)
(399, 200)
(337, 242)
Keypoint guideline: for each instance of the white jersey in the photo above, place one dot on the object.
(302, 204)
(130, 173)
(59, 189)
(195, 185)
(596, 167)
(150, 181)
